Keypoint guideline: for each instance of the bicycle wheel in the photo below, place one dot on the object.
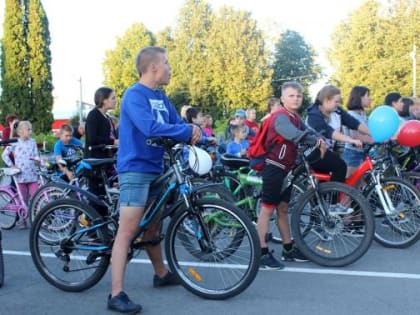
(1, 263)
(42, 197)
(76, 258)
(332, 240)
(401, 227)
(8, 210)
(221, 267)
(274, 232)
(413, 178)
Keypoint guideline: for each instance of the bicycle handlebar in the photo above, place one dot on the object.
(104, 147)
(8, 141)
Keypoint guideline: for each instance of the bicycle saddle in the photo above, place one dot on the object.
(233, 161)
(10, 171)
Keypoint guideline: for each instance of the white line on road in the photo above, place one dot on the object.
(357, 273)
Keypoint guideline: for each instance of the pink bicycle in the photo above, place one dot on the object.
(12, 203)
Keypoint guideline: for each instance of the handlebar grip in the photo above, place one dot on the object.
(8, 141)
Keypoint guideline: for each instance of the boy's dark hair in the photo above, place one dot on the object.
(355, 99)
(234, 128)
(192, 112)
(391, 98)
(67, 128)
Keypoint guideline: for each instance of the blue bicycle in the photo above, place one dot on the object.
(210, 244)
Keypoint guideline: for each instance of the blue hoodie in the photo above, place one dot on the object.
(146, 113)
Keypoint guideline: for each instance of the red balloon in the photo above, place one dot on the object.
(409, 134)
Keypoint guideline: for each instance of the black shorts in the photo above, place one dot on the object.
(273, 177)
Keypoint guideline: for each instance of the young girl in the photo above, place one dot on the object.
(24, 151)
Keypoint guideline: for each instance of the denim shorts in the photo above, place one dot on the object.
(134, 188)
(353, 158)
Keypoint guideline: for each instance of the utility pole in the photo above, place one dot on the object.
(414, 59)
(80, 109)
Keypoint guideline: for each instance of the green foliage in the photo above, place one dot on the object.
(372, 48)
(294, 60)
(237, 62)
(26, 64)
(119, 64)
(49, 139)
(15, 96)
(39, 67)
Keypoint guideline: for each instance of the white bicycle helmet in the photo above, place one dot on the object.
(199, 160)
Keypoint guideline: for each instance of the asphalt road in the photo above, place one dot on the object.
(384, 281)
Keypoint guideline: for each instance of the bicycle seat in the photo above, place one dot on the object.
(233, 161)
(99, 162)
(10, 171)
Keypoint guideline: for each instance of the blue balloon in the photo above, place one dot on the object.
(383, 123)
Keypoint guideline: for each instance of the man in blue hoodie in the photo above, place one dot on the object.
(146, 112)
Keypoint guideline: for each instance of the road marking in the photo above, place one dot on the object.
(340, 272)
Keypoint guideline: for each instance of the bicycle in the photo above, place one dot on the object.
(246, 187)
(3, 143)
(394, 201)
(211, 246)
(324, 238)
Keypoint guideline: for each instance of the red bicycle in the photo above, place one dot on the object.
(394, 201)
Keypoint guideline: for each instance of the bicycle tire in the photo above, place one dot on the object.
(333, 241)
(205, 277)
(413, 178)
(8, 218)
(400, 229)
(69, 267)
(1, 262)
(42, 197)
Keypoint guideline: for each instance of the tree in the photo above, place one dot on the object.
(237, 61)
(39, 67)
(119, 64)
(371, 47)
(26, 64)
(190, 81)
(15, 96)
(294, 60)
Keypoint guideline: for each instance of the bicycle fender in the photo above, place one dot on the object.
(91, 197)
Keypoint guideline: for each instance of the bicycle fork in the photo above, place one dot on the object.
(383, 195)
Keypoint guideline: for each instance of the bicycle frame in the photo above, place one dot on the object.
(367, 167)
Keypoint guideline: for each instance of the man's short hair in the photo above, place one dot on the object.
(291, 84)
(146, 56)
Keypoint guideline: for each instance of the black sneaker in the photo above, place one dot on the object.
(167, 280)
(293, 255)
(268, 261)
(122, 303)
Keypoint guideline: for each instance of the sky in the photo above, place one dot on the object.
(82, 30)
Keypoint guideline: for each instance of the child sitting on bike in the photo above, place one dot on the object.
(66, 147)
(285, 131)
(25, 152)
(239, 145)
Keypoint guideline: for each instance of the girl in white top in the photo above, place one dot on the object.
(24, 151)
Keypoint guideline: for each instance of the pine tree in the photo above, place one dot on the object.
(39, 67)
(294, 60)
(15, 96)
(26, 64)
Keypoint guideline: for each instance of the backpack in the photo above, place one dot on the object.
(257, 150)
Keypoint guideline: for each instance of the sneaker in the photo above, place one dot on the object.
(122, 303)
(322, 234)
(339, 209)
(269, 262)
(293, 255)
(167, 280)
